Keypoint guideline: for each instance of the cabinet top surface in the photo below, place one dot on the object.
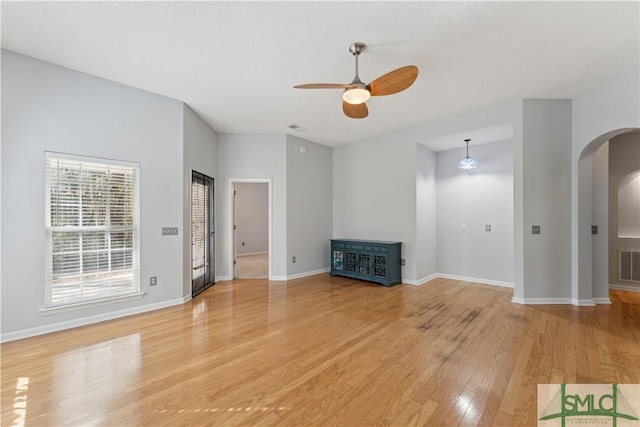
(382, 242)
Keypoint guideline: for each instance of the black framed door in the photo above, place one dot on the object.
(202, 233)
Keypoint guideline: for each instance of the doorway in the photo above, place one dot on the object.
(251, 238)
(597, 230)
(202, 233)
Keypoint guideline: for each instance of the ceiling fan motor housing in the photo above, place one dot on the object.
(357, 48)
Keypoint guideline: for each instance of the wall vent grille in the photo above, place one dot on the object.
(629, 270)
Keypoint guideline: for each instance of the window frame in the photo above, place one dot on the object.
(132, 288)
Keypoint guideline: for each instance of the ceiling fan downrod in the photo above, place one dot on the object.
(356, 49)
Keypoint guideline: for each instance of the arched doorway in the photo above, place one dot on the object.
(589, 259)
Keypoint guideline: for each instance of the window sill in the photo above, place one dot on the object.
(45, 311)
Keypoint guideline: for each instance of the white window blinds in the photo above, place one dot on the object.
(91, 224)
(199, 227)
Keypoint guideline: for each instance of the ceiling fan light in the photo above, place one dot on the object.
(356, 95)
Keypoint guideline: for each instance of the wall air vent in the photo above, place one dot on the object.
(629, 262)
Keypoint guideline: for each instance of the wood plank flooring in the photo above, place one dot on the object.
(252, 266)
(321, 351)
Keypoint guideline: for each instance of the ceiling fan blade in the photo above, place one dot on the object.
(394, 81)
(322, 86)
(355, 111)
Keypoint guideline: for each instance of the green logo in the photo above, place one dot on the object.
(595, 402)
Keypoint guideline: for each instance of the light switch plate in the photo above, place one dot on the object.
(169, 231)
(487, 227)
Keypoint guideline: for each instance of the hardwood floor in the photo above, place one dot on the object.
(321, 351)
(252, 266)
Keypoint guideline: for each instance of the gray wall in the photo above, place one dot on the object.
(375, 185)
(374, 194)
(309, 205)
(425, 213)
(200, 154)
(597, 116)
(249, 156)
(599, 217)
(546, 145)
(476, 198)
(252, 217)
(624, 158)
(45, 107)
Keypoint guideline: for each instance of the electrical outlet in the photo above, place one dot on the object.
(293, 259)
(487, 227)
(535, 229)
(594, 229)
(153, 280)
(242, 243)
(169, 231)
(402, 261)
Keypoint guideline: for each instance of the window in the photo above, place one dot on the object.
(91, 224)
(629, 206)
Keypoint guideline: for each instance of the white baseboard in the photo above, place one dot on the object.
(475, 280)
(308, 273)
(421, 281)
(534, 301)
(223, 278)
(454, 277)
(299, 275)
(252, 253)
(60, 326)
(624, 287)
(588, 302)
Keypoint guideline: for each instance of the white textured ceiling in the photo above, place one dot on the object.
(235, 63)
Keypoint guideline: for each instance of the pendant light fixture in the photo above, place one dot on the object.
(468, 162)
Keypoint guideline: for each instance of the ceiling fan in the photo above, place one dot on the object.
(357, 93)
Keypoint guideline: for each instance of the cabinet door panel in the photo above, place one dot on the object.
(380, 265)
(350, 261)
(364, 263)
(337, 260)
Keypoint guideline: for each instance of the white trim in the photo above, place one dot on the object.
(60, 326)
(475, 280)
(278, 278)
(252, 253)
(90, 159)
(454, 277)
(587, 302)
(624, 287)
(536, 301)
(605, 300)
(232, 220)
(47, 311)
(308, 273)
(420, 281)
(223, 278)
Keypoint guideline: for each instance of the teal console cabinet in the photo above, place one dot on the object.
(372, 260)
